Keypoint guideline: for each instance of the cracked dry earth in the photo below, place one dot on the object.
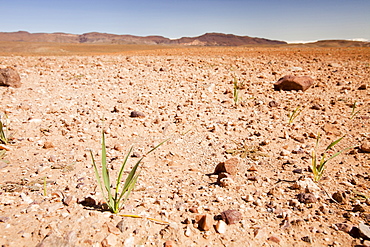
(186, 94)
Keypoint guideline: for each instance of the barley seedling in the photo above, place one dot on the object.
(354, 112)
(4, 137)
(236, 91)
(319, 168)
(295, 114)
(116, 200)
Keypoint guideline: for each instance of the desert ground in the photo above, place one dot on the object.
(49, 195)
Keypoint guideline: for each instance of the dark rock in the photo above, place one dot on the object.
(306, 239)
(9, 78)
(362, 87)
(231, 216)
(137, 114)
(290, 82)
(358, 208)
(343, 227)
(273, 103)
(306, 198)
(339, 196)
(88, 202)
(230, 166)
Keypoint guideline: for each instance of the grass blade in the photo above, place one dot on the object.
(333, 143)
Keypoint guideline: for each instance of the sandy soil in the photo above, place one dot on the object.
(187, 95)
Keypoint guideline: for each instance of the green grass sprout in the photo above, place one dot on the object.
(354, 112)
(236, 91)
(319, 168)
(4, 136)
(117, 199)
(295, 113)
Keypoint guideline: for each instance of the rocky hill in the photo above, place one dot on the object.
(208, 39)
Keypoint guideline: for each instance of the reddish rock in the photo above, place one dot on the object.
(205, 223)
(290, 82)
(306, 198)
(9, 78)
(343, 227)
(365, 147)
(231, 216)
(169, 243)
(230, 166)
(275, 239)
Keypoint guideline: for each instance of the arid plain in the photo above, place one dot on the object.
(70, 93)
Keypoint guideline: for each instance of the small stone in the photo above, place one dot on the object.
(252, 169)
(187, 232)
(343, 227)
(260, 233)
(306, 198)
(88, 202)
(48, 144)
(121, 226)
(68, 200)
(112, 228)
(137, 114)
(306, 239)
(339, 196)
(169, 243)
(110, 241)
(231, 216)
(9, 77)
(362, 87)
(230, 166)
(226, 182)
(365, 147)
(358, 208)
(221, 227)
(248, 198)
(290, 82)
(205, 223)
(298, 171)
(273, 104)
(274, 238)
(193, 210)
(252, 178)
(26, 198)
(4, 219)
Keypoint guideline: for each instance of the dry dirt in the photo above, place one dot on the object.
(186, 95)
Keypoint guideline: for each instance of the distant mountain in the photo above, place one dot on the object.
(208, 39)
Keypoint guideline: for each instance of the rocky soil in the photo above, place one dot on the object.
(262, 193)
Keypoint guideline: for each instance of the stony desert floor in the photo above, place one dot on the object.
(48, 191)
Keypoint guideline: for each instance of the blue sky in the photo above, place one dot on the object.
(289, 20)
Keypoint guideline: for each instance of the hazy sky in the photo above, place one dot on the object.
(289, 20)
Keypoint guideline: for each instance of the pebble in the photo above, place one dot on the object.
(110, 241)
(137, 114)
(221, 226)
(169, 243)
(229, 166)
(48, 145)
(306, 198)
(260, 233)
(339, 196)
(112, 228)
(205, 223)
(187, 232)
(274, 238)
(365, 147)
(343, 227)
(231, 216)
